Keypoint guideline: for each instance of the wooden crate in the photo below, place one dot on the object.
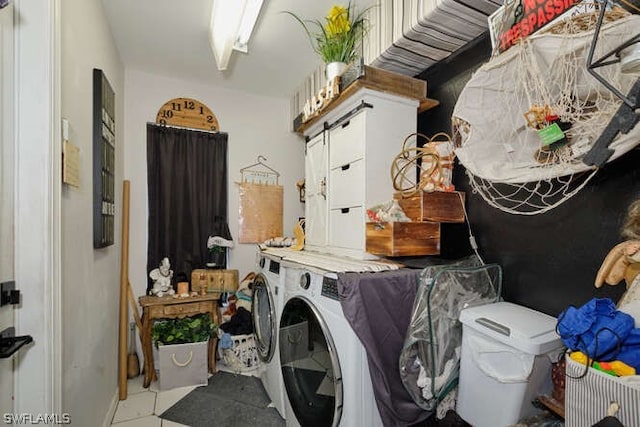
(216, 281)
(403, 238)
(437, 206)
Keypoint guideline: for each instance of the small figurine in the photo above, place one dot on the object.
(161, 277)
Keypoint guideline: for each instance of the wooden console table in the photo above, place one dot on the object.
(168, 307)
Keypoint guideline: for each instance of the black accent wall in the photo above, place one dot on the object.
(549, 260)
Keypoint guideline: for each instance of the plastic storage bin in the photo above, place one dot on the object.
(505, 363)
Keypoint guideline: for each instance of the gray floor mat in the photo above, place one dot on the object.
(240, 388)
(229, 400)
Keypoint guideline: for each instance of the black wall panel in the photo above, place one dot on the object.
(549, 260)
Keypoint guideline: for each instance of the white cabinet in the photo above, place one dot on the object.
(349, 156)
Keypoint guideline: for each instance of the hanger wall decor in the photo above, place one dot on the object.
(259, 173)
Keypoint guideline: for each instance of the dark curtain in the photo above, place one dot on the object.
(187, 187)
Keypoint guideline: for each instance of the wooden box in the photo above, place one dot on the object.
(403, 238)
(437, 206)
(216, 281)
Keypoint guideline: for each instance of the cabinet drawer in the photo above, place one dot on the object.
(346, 228)
(346, 187)
(346, 142)
(178, 309)
(173, 310)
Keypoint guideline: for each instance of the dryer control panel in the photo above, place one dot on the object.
(330, 288)
(274, 267)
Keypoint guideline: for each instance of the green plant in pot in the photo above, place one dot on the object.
(182, 350)
(192, 329)
(218, 247)
(338, 38)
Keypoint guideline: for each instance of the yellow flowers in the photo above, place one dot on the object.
(338, 39)
(337, 21)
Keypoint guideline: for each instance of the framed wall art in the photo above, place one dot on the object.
(104, 145)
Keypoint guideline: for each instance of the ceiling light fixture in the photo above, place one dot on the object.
(232, 23)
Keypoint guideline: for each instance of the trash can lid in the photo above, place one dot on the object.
(523, 328)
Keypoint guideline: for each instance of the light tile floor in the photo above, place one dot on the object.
(143, 407)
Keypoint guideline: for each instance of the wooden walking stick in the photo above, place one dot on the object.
(124, 283)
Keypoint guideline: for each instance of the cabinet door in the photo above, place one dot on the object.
(316, 191)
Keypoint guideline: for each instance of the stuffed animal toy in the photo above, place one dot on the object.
(230, 309)
(241, 298)
(623, 261)
(244, 293)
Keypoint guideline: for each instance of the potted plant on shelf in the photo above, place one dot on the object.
(218, 246)
(338, 39)
(182, 349)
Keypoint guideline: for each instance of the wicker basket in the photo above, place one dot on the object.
(243, 356)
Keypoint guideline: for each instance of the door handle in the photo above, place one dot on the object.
(9, 343)
(323, 187)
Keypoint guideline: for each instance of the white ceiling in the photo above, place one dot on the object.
(171, 37)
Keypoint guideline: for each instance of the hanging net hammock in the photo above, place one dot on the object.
(503, 118)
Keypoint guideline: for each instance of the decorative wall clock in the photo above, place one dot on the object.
(187, 112)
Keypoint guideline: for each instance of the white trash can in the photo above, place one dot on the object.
(507, 351)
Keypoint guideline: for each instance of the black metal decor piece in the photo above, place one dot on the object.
(609, 58)
(626, 117)
(104, 131)
(623, 121)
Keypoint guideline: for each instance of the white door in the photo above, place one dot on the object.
(316, 191)
(7, 185)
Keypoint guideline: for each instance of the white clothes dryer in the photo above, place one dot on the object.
(324, 365)
(266, 308)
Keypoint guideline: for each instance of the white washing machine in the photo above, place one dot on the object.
(266, 308)
(324, 365)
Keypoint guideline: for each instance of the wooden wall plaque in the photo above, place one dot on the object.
(187, 113)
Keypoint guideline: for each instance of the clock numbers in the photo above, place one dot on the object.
(187, 113)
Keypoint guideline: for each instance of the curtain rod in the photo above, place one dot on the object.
(183, 128)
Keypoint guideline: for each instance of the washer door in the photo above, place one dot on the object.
(310, 365)
(263, 314)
